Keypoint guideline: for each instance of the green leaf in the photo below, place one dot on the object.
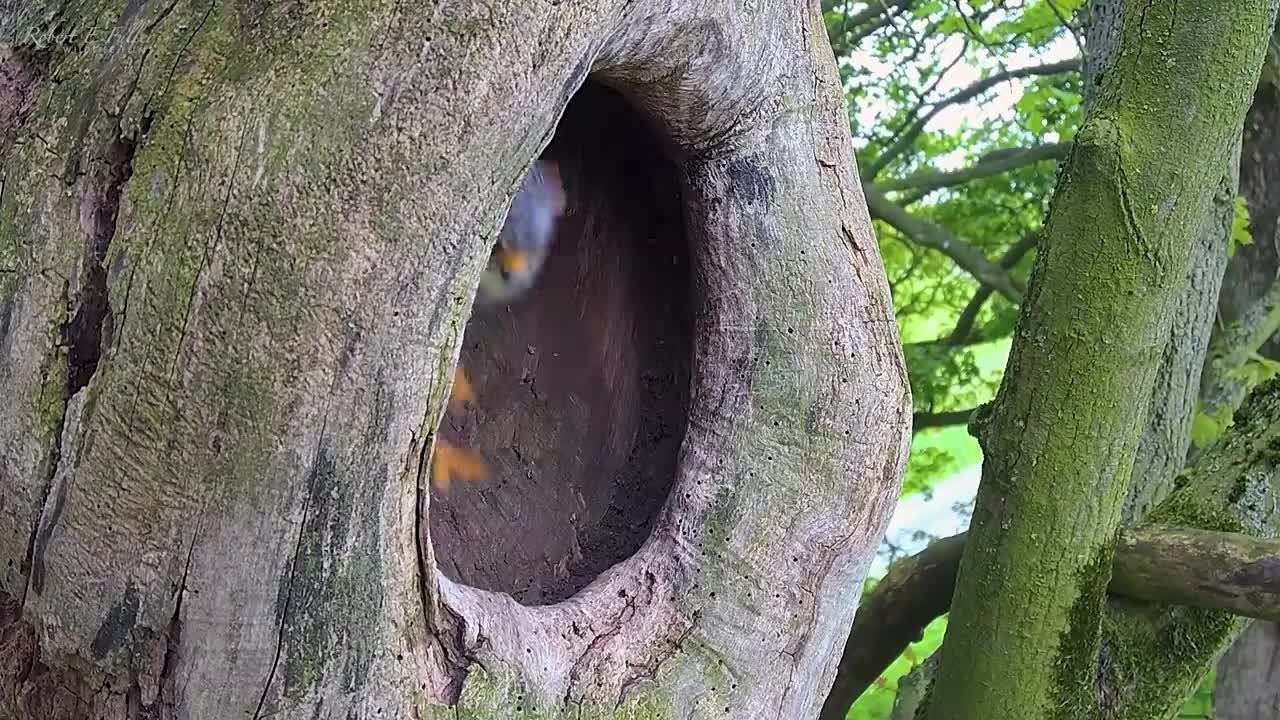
(1239, 226)
(1204, 430)
(1207, 427)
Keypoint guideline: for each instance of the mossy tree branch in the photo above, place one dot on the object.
(1068, 416)
(1248, 681)
(1232, 572)
(1156, 654)
(1222, 565)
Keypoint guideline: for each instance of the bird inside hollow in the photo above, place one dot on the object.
(514, 264)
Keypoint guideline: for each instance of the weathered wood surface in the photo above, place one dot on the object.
(238, 244)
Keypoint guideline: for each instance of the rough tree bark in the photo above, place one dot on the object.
(239, 243)
(1178, 594)
(1061, 437)
(1248, 680)
(1248, 684)
(1153, 677)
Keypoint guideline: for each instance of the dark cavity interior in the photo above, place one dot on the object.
(582, 385)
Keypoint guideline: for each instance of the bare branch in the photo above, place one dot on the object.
(939, 238)
(875, 16)
(994, 163)
(1231, 348)
(1199, 568)
(964, 333)
(969, 316)
(916, 590)
(946, 418)
(874, 12)
(961, 96)
(1066, 23)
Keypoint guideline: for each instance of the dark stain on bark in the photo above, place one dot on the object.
(118, 624)
(1263, 574)
(750, 181)
(6, 319)
(21, 74)
(335, 575)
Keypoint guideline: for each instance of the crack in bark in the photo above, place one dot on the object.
(208, 252)
(613, 627)
(182, 52)
(33, 566)
(824, 562)
(89, 326)
(173, 638)
(83, 334)
(650, 671)
(302, 527)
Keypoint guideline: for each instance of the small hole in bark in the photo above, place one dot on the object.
(580, 386)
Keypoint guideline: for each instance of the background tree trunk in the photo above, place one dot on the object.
(1139, 675)
(1248, 680)
(1060, 439)
(238, 249)
(1248, 686)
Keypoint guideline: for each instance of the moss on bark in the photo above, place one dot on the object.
(1061, 436)
(1154, 656)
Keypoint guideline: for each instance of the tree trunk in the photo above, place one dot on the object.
(1248, 685)
(239, 245)
(1061, 437)
(1248, 680)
